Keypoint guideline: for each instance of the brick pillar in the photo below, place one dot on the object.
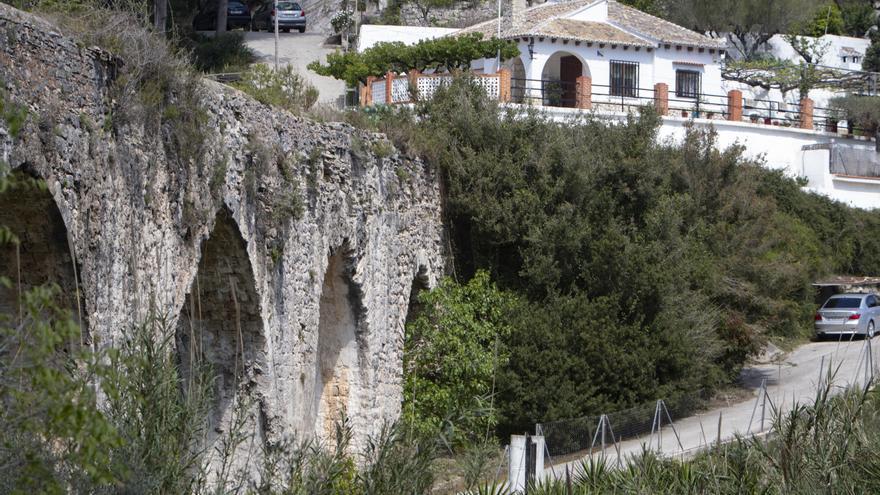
(368, 92)
(806, 113)
(413, 76)
(584, 92)
(504, 85)
(661, 98)
(735, 105)
(389, 82)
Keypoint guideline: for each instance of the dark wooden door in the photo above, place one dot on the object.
(570, 68)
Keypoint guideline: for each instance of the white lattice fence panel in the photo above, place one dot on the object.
(491, 85)
(400, 90)
(378, 91)
(428, 85)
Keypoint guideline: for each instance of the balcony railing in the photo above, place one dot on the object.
(414, 86)
(583, 94)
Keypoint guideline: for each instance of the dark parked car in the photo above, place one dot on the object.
(290, 16)
(237, 15)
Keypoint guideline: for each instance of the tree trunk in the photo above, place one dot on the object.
(222, 6)
(160, 15)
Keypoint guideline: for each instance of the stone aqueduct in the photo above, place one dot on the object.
(299, 304)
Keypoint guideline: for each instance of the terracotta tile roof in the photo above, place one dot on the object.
(547, 20)
(657, 28)
(586, 31)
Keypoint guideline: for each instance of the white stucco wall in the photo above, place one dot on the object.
(370, 34)
(656, 65)
(708, 65)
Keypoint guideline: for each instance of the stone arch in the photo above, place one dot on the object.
(221, 325)
(559, 77)
(339, 380)
(43, 255)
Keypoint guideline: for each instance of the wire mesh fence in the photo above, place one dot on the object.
(684, 423)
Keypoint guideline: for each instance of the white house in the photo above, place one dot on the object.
(623, 51)
(838, 52)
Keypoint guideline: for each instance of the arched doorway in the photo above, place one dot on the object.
(559, 79)
(517, 81)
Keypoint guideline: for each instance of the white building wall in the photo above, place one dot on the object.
(709, 66)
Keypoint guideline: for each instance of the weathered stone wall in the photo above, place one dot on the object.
(459, 15)
(142, 219)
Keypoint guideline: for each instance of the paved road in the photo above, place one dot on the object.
(794, 380)
(299, 50)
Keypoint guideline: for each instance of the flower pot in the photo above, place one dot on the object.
(684, 114)
(766, 120)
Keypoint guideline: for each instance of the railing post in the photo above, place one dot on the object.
(661, 98)
(735, 105)
(368, 92)
(413, 76)
(504, 85)
(584, 92)
(806, 113)
(389, 83)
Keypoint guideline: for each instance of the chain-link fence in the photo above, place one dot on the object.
(685, 423)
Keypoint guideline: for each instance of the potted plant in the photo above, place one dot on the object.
(754, 118)
(710, 115)
(684, 113)
(553, 93)
(767, 120)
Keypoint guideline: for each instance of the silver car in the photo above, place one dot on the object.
(848, 314)
(290, 16)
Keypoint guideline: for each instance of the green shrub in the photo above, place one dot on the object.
(283, 88)
(453, 350)
(227, 52)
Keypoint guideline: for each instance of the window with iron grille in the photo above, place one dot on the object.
(624, 78)
(687, 84)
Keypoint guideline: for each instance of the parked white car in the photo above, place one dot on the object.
(848, 314)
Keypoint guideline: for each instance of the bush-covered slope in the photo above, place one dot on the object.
(643, 269)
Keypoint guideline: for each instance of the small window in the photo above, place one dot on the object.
(687, 83)
(624, 78)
